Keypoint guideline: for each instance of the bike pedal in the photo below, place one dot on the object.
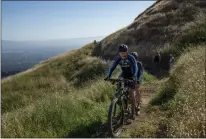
(137, 113)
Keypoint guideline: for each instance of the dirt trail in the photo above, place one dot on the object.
(147, 91)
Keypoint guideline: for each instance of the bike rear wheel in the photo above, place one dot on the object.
(116, 118)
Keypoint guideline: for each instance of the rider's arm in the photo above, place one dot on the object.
(134, 65)
(114, 65)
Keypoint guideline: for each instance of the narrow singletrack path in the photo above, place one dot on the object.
(147, 91)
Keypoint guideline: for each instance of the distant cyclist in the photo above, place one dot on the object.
(139, 79)
(157, 60)
(129, 71)
(95, 42)
(171, 61)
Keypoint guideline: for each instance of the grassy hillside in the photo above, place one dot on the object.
(61, 114)
(177, 109)
(67, 97)
(45, 78)
(194, 34)
(160, 24)
(44, 102)
(64, 96)
(183, 97)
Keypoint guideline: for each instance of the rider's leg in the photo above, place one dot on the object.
(137, 94)
(132, 91)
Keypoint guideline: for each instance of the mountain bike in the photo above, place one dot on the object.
(120, 107)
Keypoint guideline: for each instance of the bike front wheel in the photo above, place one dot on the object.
(116, 118)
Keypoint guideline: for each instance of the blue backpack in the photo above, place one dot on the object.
(140, 68)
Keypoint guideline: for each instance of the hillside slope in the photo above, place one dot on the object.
(178, 108)
(46, 101)
(65, 96)
(157, 27)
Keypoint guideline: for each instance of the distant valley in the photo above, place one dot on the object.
(18, 56)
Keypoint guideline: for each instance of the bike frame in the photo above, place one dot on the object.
(121, 89)
(119, 97)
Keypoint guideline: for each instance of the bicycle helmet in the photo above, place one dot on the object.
(135, 54)
(122, 48)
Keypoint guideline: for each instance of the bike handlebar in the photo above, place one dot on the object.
(120, 80)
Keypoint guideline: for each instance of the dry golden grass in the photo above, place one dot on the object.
(188, 106)
(44, 103)
(64, 96)
(178, 108)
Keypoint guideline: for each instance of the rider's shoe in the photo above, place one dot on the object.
(137, 109)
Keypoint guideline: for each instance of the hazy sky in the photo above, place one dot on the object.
(36, 20)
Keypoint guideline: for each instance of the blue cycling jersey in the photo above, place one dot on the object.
(128, 66)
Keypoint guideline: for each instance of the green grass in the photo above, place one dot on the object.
(148, 78)
(65, 96)
(78, 113)
(56, 74)
(178, 107)
(191, 37)
(188, 105)
(48, 102)
(165, 94)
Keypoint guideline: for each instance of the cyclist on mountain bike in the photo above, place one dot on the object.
(129, 71)
(139, 79)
